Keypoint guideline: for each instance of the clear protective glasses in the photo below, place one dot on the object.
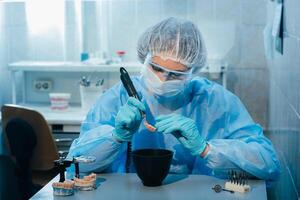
(170, 74)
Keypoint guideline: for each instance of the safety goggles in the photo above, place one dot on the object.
(170, 74)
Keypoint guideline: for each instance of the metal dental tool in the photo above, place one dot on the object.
(125, 78)
(62, 164)
(218, 188)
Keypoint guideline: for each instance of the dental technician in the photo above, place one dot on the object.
(218, 133)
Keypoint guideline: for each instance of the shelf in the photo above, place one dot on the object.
(51, 66)
(48, 66)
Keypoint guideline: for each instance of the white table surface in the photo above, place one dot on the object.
(72, 116)
(129, 186)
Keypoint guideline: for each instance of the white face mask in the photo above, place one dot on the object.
(161, 88)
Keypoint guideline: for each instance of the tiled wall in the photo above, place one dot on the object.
(284, 116)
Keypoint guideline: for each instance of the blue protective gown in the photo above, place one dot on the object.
(236, 141)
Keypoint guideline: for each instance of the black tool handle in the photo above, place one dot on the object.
(131, 91)
(76, 169)
(62, 164)
(128, 157)
(125, 78)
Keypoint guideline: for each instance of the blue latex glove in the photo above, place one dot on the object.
(128, 119)
(184, 129)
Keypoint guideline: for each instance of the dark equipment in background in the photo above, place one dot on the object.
(22, 141)
(9, 187)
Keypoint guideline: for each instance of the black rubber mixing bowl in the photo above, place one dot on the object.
(152, 165)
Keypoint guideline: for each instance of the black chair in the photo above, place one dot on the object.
(44, 152)
(9, 187)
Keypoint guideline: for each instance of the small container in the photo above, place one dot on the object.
(84, 56)
(89, 94)
(120, 57)
(59, 101)
(152, 165)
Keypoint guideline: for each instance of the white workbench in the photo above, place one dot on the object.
(71, 116)
(70, 119)
(129, 186)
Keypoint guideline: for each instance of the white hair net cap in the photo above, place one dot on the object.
(174, 39)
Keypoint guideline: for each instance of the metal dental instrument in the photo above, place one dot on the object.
(82, 159)
(218, 188)
(125, 78)
(62, 164)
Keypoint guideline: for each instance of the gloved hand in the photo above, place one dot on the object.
(128, 119)
(184, 129)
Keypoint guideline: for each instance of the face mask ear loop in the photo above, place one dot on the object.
(146, 71)
(148, 57)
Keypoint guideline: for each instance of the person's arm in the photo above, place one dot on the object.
(243, 146)
(96, 134)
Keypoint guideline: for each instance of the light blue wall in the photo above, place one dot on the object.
(284, 117)
(13, 46)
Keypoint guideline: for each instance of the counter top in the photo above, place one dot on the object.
(60, 66)
(50, 66)
(73, 115)
(129, 186)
